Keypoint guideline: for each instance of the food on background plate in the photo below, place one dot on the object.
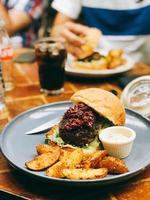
(90, 59)
(74, 141)
(97, 61)
(91, 42)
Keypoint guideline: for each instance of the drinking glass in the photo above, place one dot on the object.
(51, 55)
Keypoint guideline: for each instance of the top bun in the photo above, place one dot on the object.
(91, 42)
(103, 102)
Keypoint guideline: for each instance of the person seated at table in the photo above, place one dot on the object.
(22, 19)
(124, 24)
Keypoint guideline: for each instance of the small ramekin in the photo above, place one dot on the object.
(123, 146)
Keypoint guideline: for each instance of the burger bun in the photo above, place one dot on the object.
(103, 102)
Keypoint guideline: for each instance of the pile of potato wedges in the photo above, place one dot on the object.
(74, 163)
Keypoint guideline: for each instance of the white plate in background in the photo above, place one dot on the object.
(98, 73)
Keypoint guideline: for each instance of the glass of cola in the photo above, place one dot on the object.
(51, 55)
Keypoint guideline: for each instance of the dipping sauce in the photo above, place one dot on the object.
(117, 140)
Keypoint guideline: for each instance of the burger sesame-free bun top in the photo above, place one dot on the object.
(91, 42)
(103, 102)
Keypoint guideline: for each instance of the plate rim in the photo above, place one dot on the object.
(105, 181)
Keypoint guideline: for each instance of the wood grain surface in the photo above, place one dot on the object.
(27, 95)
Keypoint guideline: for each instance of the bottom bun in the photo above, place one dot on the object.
(95, 64)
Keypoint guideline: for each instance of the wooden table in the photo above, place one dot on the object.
(27, 95)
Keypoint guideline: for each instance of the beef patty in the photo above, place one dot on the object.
(79, 125)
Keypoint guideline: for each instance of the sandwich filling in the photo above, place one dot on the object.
(79, 127)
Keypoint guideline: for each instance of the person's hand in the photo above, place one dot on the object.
(81, 41)
(72, 33)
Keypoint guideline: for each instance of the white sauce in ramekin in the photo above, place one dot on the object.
(117, 140)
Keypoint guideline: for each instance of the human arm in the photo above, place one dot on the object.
(65, 16)
(65, 26)
(80, 40)
(70, 31)
(15, 20)
(58, 24)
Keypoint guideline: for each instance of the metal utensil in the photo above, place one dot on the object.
(44, 127)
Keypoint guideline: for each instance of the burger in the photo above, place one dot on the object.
(95, 61)
(93, 109)
(98, 61)
(91, 41)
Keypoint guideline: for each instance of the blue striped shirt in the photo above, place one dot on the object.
(119, 22)
(124, 24)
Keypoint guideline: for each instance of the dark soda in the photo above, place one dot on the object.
(51, 57)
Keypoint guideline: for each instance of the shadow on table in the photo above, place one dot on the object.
(10, 196)
(51, 191)
(121, 80)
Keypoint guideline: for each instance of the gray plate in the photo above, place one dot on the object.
(18, 147)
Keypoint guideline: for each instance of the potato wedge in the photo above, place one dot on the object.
(43, 161)
(74, 158)
(44, 148)
(65, 153)
(85, 173)
(56, 170)
(69, 159)
(114, 165)
(93, 159)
